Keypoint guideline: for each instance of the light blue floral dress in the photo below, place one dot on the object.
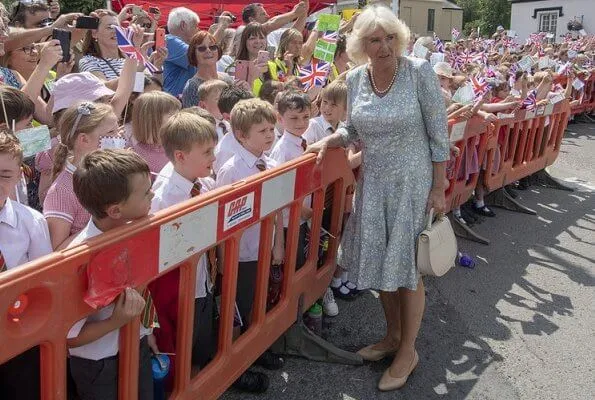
(402, 132)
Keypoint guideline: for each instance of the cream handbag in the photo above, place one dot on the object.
(436, 246)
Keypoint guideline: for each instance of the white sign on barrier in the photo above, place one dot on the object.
(505, 116)
(179, 240)
(549, 109)
(238, 210)
(458, 131)
(557, 98)
(530, 114)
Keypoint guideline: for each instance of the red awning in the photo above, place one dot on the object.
(207, 10)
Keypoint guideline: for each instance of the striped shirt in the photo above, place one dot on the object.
(111, 68)
(153, 154)
(61, 202)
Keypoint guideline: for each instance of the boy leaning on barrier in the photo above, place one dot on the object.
(115, 187)
(24, 236)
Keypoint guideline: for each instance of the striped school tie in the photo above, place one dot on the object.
(195, 191)
(304, 144)
(149, 315)
(212, 252)
(260, 165)
(3, 266)
(223, 128)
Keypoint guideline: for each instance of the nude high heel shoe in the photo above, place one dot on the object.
(389, 382)
(368, 353)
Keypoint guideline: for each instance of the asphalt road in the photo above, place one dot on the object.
(520, 325)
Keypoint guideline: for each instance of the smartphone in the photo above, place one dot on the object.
(242, 70)
(86, 22)
(64, 37)
(159, 38)
(153, 10)
(263, 57)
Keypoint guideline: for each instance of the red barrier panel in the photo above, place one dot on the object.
(525, 144)
(471, 137)
(50, 290)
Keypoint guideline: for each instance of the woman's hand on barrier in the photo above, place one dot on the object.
(129, 305)
(436, 200)
(489, 117)
(319, 148)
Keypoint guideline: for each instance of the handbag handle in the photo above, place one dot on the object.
(431, 218)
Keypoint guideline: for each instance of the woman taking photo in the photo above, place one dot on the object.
(396, 110)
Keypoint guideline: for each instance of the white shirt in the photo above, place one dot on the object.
(108, 344)
(238, 167)
(289, 147)
(24, 234)
(221, 130)
(225, 149)
(318, 129)
(172, 188)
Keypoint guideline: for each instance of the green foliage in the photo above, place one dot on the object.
(82, 6)
(485, 14)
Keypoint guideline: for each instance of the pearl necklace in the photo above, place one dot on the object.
(390, 84)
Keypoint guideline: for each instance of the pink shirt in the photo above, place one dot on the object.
(153, 154)
(61, 202)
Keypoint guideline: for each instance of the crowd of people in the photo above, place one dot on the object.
(125, 126)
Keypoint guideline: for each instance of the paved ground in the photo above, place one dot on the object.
(518, 326)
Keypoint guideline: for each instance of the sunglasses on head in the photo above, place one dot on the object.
(212, 47)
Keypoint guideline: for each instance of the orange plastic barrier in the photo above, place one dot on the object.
(470, 137)
(527, 143)
(587, 103)
(39, 302)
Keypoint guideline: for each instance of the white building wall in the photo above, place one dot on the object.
(524, 24)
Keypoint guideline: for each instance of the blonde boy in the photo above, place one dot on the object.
(209, 93)
(333, 111)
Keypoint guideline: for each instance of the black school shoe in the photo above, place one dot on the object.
(350, 295)
(253, 382)
(270, 361)
(486, 212)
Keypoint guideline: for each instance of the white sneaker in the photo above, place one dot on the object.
(329, 305)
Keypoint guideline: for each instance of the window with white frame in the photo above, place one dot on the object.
(548, 21)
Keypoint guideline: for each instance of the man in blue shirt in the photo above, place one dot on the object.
(182, 24)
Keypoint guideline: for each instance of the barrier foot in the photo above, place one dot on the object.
(463, 231)
(543, 178)
(500, 198)
(301, 341)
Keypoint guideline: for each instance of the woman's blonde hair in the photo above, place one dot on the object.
(91, 116)
(372, 17)
(147, 115)
(284, 41)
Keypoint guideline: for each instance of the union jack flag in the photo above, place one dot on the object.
(314, 74)
(330, 36)
(464, 58)
(531, 101)
(481, 57)
(124, 39)
(455, 34)
(480, 86)
(438, 44)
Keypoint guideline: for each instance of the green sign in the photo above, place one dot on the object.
(325, 51)
(328, 22)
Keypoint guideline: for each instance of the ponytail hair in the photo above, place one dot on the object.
(82, 117)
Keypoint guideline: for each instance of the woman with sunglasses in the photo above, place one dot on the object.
(203, 53)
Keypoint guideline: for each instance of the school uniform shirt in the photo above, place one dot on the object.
(108, 344)
(318, 129)
(225, 149)
(172, 188)
(222, 127)
(24, 234)
(288, 147)
(61, 201)
(153, 154)
(238, 167)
